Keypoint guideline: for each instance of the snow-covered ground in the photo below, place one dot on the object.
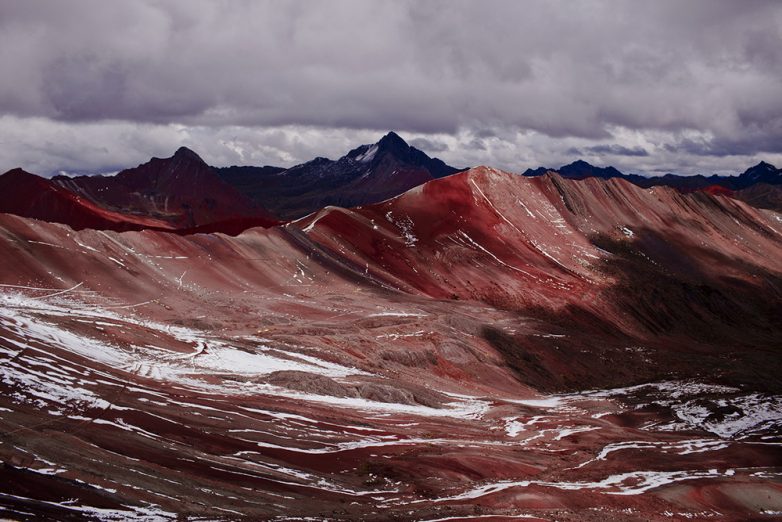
(113, 370)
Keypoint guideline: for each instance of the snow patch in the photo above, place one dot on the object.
(732, 417)
(632, 483)
(369, 155)
(405, 225)
(393, 313)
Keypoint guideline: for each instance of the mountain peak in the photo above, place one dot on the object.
(760, 169)
(183, 153)
(580, 169)
(392, 141)
(21, 176)
(18, 171)
(761, 173)
(578, 163)
(764, 165)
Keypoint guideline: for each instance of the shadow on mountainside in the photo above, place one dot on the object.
(676, 311)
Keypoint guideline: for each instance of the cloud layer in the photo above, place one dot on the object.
(652, 86)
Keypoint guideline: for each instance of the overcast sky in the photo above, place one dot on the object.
(683, 86)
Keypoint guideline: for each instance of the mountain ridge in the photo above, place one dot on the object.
(185, 194)
(767, 195)
(181, 190)
(365, 174)
(763, 172)
(479, 322)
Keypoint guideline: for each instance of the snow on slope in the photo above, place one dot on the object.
(329, 367)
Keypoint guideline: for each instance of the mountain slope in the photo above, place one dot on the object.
(487, 343)
(366, 174)
(761, 195)
(28, 195)
(549, 240)
(181, 190)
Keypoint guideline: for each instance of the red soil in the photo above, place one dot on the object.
(164, 372)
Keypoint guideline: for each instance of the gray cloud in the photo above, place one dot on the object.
(476, 144)
(687, 83)
(428, 145)
(611, 149)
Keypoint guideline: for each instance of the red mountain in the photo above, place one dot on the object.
(28, 195)
(526, 243)
(181, 190)
(482, 345)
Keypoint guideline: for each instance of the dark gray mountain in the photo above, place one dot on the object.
(366, 174)
(761, 173)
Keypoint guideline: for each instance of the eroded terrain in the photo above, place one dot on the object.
(377, 364)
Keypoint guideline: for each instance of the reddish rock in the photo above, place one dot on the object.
(484, 345)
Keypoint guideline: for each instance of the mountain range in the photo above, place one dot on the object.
(759, 185)
(183, 194)
(485, 343)
(366, 174)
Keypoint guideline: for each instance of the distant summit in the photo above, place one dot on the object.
(367, 174)
(180, 193)
(181, 190)
(183, 153)
(392, 144)
(761, 173)
(760, 185)
(579, 169)
(392, 141)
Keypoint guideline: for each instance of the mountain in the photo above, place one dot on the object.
(761, 195)
(579, 169)
(545, 229)
(366, 174)
(32, 196)
(763, 174)
(394, 146)
(184, 194)
(181, 190)
(483, 345)
(250, 181)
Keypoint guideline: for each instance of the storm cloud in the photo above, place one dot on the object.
(611, 149)
(93, 84)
